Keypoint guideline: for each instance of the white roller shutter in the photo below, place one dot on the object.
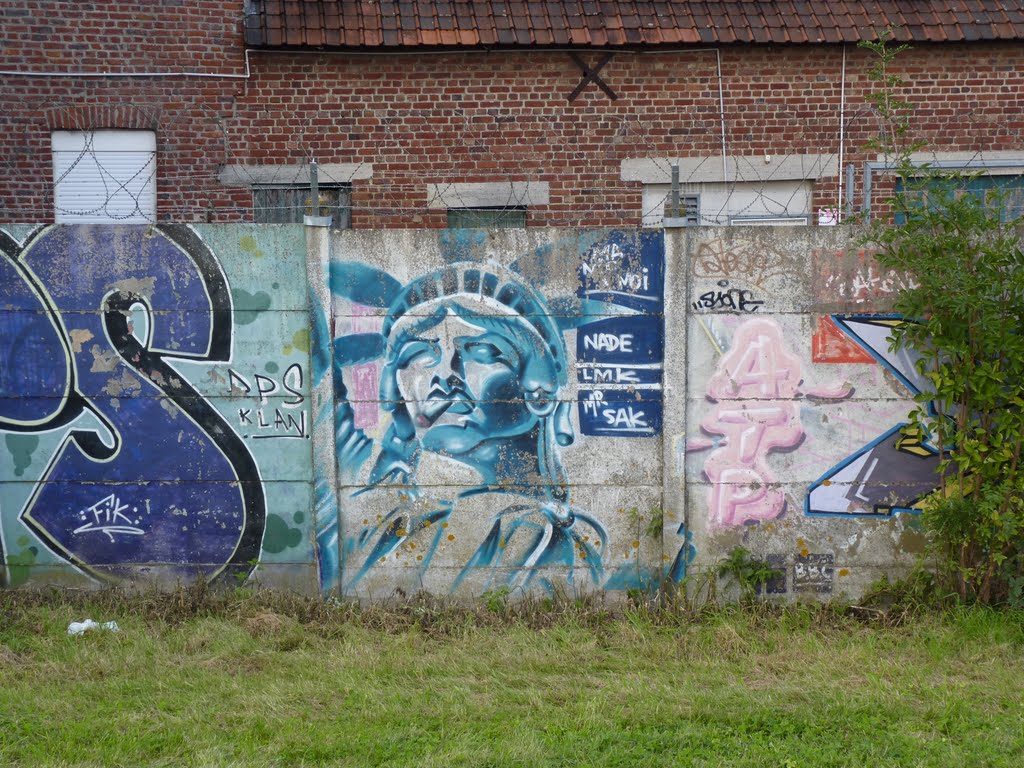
(104, 176)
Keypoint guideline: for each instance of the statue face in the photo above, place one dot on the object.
(463, 377)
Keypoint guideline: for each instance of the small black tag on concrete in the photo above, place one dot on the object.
(813, 573)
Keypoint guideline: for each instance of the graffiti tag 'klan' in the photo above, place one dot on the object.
(272, 421)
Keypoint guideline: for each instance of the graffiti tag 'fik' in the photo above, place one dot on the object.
(755, 387)
(896, 471)
(135, 428)
(108, 517)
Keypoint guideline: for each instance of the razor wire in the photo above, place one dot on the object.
(187, 176)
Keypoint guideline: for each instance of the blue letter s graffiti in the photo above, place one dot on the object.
(150, 478)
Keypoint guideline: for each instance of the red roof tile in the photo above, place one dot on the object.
(597, 23)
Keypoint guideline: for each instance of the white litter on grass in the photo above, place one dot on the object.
(78, 627)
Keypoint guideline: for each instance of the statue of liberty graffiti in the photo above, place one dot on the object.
(472, 368)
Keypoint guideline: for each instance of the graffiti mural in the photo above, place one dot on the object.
(451, 411)
(459, 475)
(103, 333)
(756, 388)
(896, 471)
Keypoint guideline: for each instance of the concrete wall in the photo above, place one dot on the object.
(456, 411)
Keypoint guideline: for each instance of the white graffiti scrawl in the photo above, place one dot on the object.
(756, 388)
(108, 517)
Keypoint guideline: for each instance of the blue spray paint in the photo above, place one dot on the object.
(620, 359)
(467, 366)
(473, 366)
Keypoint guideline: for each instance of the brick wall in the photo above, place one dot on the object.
(454, 117)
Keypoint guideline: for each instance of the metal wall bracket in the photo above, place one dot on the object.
(590, 75)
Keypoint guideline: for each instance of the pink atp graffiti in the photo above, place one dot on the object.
(756, 387)
(741, 487)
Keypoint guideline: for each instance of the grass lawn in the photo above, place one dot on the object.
(258, 680)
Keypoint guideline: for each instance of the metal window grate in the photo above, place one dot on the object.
(689, 212)
(288, 204)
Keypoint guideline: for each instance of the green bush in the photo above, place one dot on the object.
(965, 324)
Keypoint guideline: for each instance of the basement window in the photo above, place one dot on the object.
(486, 218)
(748, 190)
(487, 204)
(1002, 192)
(288, 204)
(771, 203)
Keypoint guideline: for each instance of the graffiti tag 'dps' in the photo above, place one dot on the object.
(272, 421)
